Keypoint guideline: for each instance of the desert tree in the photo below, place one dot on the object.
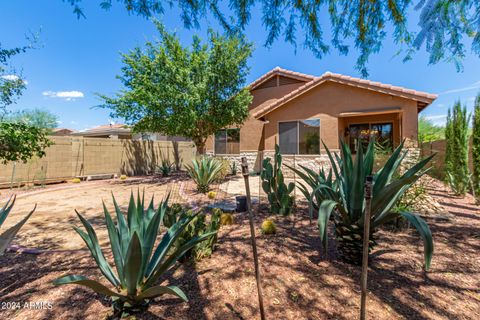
(36, 117)
(184, 91)
(19, 141)
(446, 28)
(456, 152)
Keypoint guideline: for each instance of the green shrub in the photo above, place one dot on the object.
(233, 168)
(224, 171)
(456, 150)
(76, 180)
(139, 264)
(165, 167)
(476, 147)
(344, 196)
(278, 193)
(7, 236)
(268, 227)
(123, 177)
(204, 171)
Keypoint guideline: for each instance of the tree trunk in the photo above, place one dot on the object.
(200, 144)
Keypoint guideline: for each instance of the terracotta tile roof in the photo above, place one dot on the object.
(282, 72)
(420, 96)
(106, 129)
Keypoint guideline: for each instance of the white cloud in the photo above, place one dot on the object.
(440, 116)
(67, 95)
(473, 86)
(12, 77)
(438, 120)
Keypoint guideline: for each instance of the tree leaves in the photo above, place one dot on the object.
(186, 91)
(21, 142)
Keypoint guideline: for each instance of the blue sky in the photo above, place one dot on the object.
(80, 57)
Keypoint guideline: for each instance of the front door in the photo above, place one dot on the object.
(382, 133)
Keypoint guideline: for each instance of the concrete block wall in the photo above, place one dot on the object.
(69, 157)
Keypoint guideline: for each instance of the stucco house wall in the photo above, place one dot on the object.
(329, 100)
(337, 100)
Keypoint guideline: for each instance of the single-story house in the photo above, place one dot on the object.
(298, 111)
(62, 132)
(122, 131)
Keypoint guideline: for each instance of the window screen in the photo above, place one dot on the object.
(288, 136)
(299, 137)
(309, 136)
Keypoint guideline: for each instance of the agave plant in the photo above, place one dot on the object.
(204, 171)
(139, 265)
(165, 167)
(7, 236)
(344, 198)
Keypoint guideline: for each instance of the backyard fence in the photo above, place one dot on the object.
(438, 161)
(72, 157)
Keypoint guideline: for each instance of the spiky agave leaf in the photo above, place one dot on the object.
(6, 237)
(138, 263)
(346, 199)
(204, 171)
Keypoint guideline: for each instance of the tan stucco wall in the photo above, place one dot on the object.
(325, 102)
(262, 95)
(252, 130)
(328, 100)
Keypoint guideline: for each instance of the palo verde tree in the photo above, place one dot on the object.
(184, 91)
(456, 152)
(476, 146)
(39, 118)
(446, 28)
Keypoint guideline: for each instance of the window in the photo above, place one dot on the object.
(227, 141)
(299, 137)
(381, 132)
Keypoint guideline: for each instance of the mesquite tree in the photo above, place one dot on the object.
(184, 91)
(456, 153)
(446, 28)
(476, 146)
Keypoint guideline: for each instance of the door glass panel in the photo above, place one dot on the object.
(309, 136)
(383, 134)
(288, 137)
(359, 133)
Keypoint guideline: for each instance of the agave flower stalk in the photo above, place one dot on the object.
(139, 264)
(343, 197)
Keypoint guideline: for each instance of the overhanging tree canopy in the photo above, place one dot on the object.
(445, 26)
(191, 92)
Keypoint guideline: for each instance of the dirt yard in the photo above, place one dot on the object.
(299, 281)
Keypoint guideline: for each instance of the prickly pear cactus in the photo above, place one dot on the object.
(278, 193)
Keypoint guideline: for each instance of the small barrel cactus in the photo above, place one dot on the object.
(269, 227)
(226, 219)
(123, 177)
(278, 193)
(211, 194)
(76, 180)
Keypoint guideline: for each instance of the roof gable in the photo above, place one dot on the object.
(423, 98)
(285, 76)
